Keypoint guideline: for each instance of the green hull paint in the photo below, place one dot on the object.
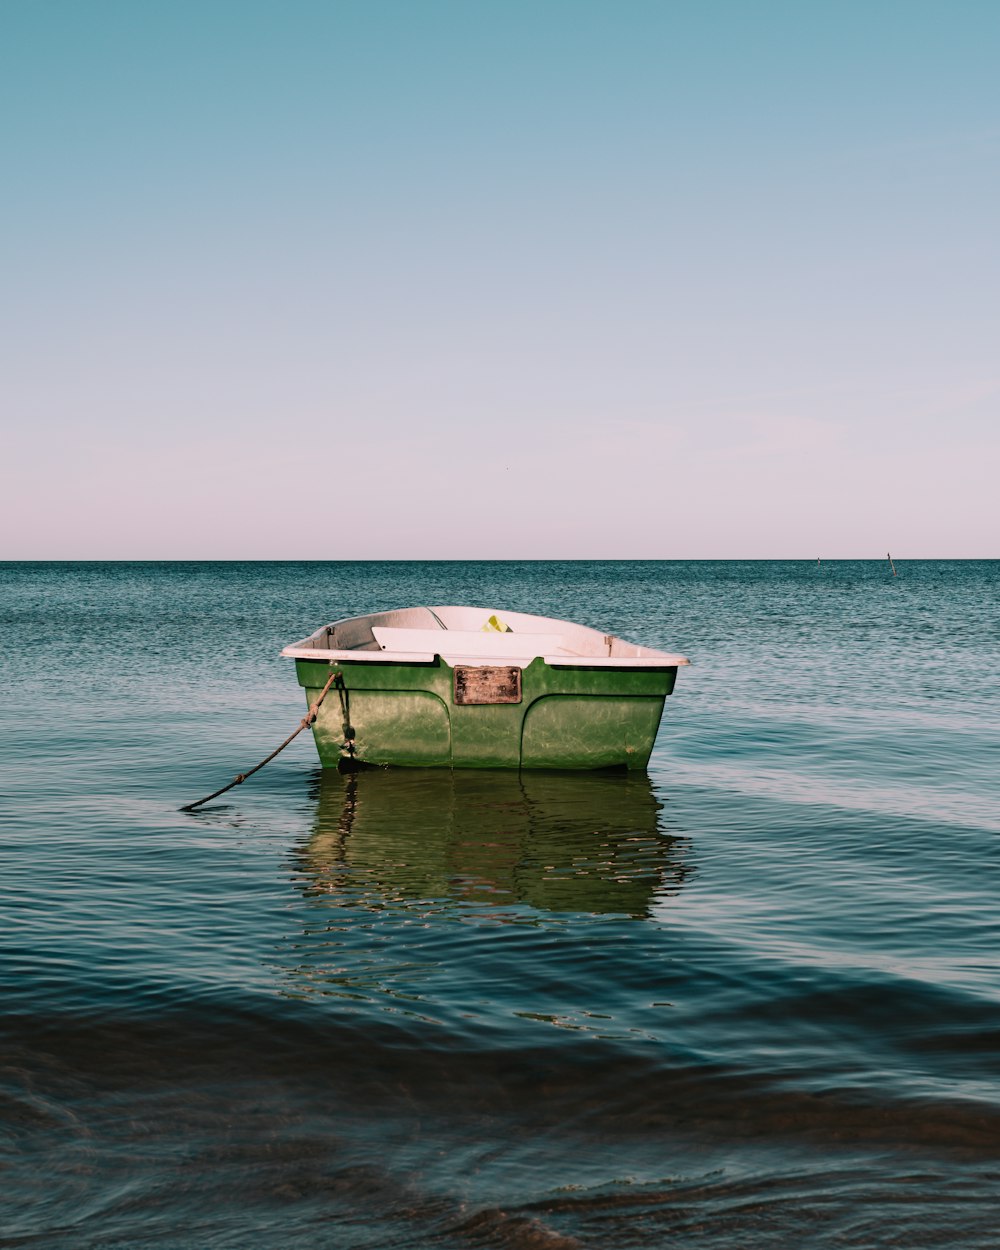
(405, 714)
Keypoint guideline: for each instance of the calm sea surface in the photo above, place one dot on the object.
(751, 999)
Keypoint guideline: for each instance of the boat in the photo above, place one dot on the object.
(468, 687)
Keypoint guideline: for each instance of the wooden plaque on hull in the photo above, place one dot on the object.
(482, 684)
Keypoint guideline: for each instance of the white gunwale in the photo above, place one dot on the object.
(456, 634)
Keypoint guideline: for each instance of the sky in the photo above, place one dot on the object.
(499, 279)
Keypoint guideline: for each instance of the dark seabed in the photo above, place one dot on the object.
(749, 1000)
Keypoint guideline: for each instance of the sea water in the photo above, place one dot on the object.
(751, 998)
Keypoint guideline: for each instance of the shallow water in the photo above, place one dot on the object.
(751, 998)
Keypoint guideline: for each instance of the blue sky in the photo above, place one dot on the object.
(403, 280)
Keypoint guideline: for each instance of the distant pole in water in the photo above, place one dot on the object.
(891, 565)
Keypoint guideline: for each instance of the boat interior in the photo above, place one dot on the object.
(473, 636)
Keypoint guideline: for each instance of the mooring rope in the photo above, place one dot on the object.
(307, 720)
(345, 715)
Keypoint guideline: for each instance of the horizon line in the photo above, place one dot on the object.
(881, 559)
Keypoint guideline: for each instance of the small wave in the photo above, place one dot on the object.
(951, 809)
(611, 1088)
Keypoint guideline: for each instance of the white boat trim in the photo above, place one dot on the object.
(464, 635)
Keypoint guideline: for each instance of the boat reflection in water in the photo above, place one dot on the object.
(557, 842)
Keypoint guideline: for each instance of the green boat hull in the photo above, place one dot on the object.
(411, 714)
